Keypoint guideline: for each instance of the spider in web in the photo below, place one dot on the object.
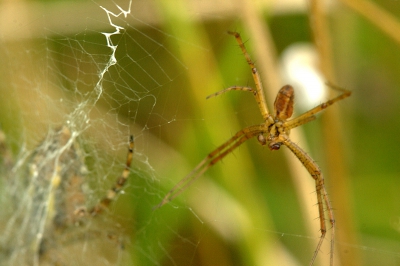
(54, 205)
(274, 132)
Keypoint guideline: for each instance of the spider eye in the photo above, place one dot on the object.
(275, 146)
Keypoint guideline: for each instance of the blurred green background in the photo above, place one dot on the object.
(256, 207)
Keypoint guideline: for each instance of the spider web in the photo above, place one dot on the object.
(73, 99)
(79, 79)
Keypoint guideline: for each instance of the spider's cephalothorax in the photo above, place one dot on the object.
(274, 131)
(283, 109)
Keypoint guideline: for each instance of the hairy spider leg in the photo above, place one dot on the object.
(211, 159)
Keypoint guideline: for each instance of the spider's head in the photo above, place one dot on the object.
(273, 146)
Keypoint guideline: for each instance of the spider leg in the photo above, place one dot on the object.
(211, 159)
(331, 219)
(112, 193)
(233, 88)
(259, 91)
(297, 122)
(302, 119)
(322, 195)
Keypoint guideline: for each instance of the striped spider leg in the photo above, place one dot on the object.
(119, 184)
(111, 194)
(274, 132)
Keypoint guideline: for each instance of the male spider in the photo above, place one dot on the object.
(274, 131)
(54, 202)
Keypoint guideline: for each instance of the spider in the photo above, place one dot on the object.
(274, 132)
(54, 202)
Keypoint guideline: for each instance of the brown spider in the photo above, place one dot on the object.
(54, 202)
(274, 132)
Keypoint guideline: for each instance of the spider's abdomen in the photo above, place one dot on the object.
(283, 104)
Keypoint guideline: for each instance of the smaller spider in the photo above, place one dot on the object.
(274, 132)
(55, 201)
